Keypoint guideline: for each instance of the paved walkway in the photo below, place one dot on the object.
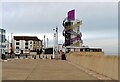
(29, 69)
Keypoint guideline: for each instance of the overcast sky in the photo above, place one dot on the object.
(99, 29)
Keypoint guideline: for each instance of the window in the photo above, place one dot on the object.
(3, 38)
(3, 46)
(34, 42)
(17, 43)
(26, 43)
(17, 47)
(26, 47)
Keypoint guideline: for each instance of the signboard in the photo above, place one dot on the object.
(71, 15)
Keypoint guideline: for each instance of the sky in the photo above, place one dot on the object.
(99, 28)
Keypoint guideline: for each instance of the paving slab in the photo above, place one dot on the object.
(38, 69)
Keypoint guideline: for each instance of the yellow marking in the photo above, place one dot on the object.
(72, 27)
(76, 44)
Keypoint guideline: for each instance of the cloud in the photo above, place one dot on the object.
(46, 16)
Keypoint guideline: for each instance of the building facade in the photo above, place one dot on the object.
(25, 44)
(37, 45)
(2, 41)
(7, 48)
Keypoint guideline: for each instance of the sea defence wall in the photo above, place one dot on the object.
(96, 61)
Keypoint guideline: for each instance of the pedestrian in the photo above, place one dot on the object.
(63, 56)
(26, 55)
(60, 53)
(18, 56)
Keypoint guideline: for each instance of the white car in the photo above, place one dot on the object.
(17, 53)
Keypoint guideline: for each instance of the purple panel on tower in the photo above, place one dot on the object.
(71, 15)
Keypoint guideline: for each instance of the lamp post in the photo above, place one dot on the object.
(54, 35)
(44, 42)
(47, 42)
(57, 37)
(8, 45)
(55, 42)
(11, 45)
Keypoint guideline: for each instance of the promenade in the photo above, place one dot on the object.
(39, 69)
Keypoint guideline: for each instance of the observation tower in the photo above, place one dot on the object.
(71, 30)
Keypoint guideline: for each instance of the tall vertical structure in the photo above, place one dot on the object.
(2, 41)
(71, 30)
(44, 42)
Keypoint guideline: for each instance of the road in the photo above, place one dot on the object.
(31, 69)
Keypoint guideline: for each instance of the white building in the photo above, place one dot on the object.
(60, 47)
(25, 44)
(2, 41)
(7, 48)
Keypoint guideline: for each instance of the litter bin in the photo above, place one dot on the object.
(4, 57)
(35, 57)
(63, 56)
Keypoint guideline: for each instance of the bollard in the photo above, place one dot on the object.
(43, 56)
(32, 56)
(51, 57)
(35, 57)
(18, 56)
(39, 57)
(21, 57)
(46, 57)
(26, 56)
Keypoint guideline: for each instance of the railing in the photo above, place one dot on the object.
(69, 31)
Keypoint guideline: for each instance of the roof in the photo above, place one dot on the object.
(35, 38)
(84, 47)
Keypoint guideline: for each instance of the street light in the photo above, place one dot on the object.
(55, 40)
(8, 45)
(44, 42)
(47, 42)
(11, 45)
(57, 37)
(54, 34)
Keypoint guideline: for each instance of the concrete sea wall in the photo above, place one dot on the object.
(96, 61)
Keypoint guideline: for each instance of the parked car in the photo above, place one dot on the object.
(17, 53)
